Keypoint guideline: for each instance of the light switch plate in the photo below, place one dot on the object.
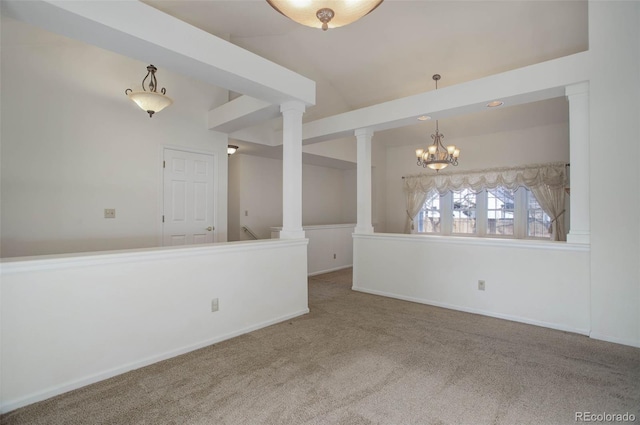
(109, 213)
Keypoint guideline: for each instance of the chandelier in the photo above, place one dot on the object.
(150, 100)
(324, 14)
(436, 156)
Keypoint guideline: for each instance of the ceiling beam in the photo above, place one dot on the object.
(240, 113)
(139, 31)
(541, 81)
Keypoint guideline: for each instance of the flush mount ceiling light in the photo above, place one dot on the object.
(495, 103)
(150, 100)
(231, 149)
(424, 118)
(436, 156)
(324, 14)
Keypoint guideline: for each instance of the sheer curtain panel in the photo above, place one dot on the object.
(416, 197)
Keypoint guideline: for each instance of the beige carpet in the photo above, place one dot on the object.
(363, 359)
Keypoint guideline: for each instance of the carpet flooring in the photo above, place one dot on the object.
(363, 359)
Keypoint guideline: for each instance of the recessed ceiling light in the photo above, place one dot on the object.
(424, 118)
(495, 103)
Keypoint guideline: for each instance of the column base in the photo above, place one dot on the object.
(363, 230)
(579, 237)
(292, 234)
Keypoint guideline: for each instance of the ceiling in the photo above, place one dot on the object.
(393, 52)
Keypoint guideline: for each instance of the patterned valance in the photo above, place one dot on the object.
(552, 175)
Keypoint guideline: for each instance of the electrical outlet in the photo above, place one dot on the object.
(109, 213)
(214, 305)
(481, 285)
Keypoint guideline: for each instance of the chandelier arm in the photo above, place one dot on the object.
(145, 79)
(153, 83)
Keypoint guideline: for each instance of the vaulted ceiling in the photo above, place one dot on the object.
(392, 52)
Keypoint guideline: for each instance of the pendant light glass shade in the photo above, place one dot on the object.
(324, 14)
(151, 102)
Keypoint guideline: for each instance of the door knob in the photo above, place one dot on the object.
(210, 228)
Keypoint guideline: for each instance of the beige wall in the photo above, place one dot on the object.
(73, 145)
(328, 195)
(535, 145)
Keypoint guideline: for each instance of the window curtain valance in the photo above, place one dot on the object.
(546, 181)
(530, 176)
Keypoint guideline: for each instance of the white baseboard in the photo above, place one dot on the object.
(614, 339)
(330, 270)
(476, 311)
(70, 386)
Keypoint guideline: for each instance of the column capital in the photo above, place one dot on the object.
(579, 88)
(364, 132)
(292, 105)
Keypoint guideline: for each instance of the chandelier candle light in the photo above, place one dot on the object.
(150, 100)
(436, 156)
(324, 14)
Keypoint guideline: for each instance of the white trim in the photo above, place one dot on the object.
(60, 389)
(335, 269)
(465, 240)
(320, 227)
(53, 262)
(188, 149)
(616, 340)
(474, 311)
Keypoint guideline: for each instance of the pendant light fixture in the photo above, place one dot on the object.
(150, 100)
(436, 156)
(324, 14)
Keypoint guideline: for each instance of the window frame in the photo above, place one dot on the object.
(520, 220)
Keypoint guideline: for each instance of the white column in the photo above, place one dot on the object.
(292, 170)
(578, 96)
(363, 137)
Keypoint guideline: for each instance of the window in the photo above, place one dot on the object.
(499, 212)
(429, 216)
(464, 212)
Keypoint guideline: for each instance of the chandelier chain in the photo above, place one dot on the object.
(436, 156)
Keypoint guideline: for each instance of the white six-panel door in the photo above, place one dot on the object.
(188, 198)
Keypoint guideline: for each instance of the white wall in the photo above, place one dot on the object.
(614, 45)
(343, 149)
(535, 145)
(349, 196)
(542, 283)
(611, 284)
(73, 144)
(330, 246)
(233, 186)
(259, 192)
(378, 186)
(257, 182)
(71, 321)
(324, 198)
